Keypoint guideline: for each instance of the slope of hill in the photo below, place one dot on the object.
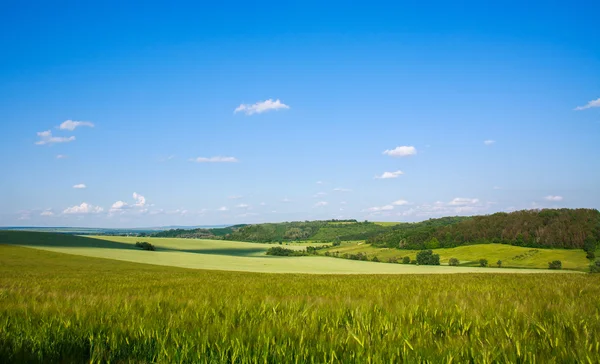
(200, 233)
(547, 228)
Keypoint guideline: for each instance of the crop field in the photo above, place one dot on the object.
(469, 255)
(221, 255)
(66, 308)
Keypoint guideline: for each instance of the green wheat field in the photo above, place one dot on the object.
(57, 307)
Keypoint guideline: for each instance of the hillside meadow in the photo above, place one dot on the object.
(67, 308)
(222, 255)
(469, 255)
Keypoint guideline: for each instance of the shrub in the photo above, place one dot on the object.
(375, 259)
(590, 255)
(595, 268)
(145, 245)
(453, 262)
(483, 262)
(393, 260)
(406, 260)
(426, 257)
(284, 252)
(555, 264)
(413, 262)
(499, 264)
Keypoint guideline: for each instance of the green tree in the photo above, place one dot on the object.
(426, 257)
(453, 262)
(483, 262)
(432, 244)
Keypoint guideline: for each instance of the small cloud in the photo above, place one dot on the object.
(286, 200)
(71, 125)
(223, 208)
(319, 182)
(403, 151)
(461, 201)
(80, 186)
(497, 188)
(489, 142)
(47, 213)
(341, 189)
(380, 208)
(118, 206)
(164, 159)
(263, 204)
(217, 159)
(234, 197)
(589, 105)
(140, 200)
(261, 107)
(83, 209)
(321, 204)
(61, 156)
(553, 198)
(400, 203)
(319, 194)
(387, 175)
(47, 138)
(243, 206)
(343, 203)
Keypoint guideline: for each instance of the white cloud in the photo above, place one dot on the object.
(263, 204)
(400, 203)
(497, 188)
(223, 208)
(47, 138)
(380, 208)
(61, 156)
(458, 206)
(403, 151)
(71, 125)
(319, 182)
(47, 213)
(321, 204)
(140, 201)
(80, 186)
(286, 200)
(319, 194)
(217, 159)
(387, 175)
(553, 198)
(341, 189)
(234, 197)
(84, 208)
(461, 201)
(243, 206)
(261, 107)
(589, 105)
(118, 207)
(489, 142)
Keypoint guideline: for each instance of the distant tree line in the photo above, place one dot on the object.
(547, 228)
(213, 233)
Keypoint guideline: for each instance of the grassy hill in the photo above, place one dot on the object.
(511, 256)
(220, 255)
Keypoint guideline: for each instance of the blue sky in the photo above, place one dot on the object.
(389, 112)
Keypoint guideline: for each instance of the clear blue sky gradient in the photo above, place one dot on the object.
(161, 82)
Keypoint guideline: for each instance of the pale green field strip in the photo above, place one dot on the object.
(249, 257)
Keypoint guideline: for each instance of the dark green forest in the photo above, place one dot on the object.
(547, 228)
